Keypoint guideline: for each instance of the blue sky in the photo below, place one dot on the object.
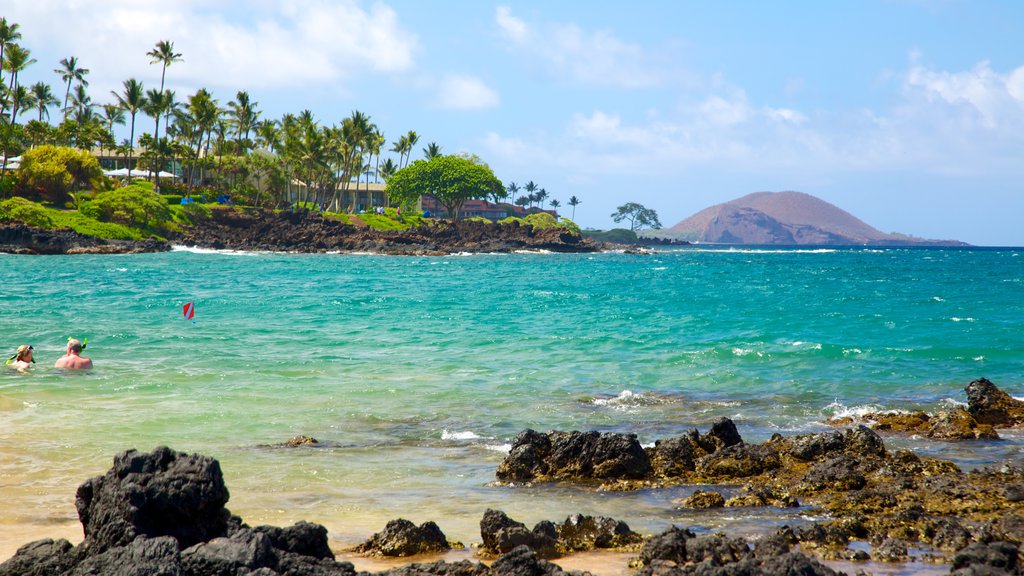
(907, 113)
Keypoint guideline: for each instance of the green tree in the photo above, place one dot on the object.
(52, 172)
(450, 179)
(69, 73)
(639, 216)
(574, 202)
(131, 99)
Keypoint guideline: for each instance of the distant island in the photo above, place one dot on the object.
(786, 219)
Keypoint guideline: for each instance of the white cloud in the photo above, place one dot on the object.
(944, 123)
(993, 96)
(566, 51)
(235, 45)
(460, 92)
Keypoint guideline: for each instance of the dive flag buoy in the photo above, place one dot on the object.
(189, 310)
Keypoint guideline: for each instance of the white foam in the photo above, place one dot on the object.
(937, 299)
(769, 251)
(506, 448)
(840, 410)
(956, 319)
(197, 250)
(454, 435)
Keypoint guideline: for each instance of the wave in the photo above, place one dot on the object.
(771, 250)
(455, 435)
(197, 250)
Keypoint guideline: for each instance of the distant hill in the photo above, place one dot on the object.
(785, 218)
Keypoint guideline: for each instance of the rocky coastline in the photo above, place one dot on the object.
(164, 512)
(308, 232)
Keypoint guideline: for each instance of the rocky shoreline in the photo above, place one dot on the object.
(164, 512)
(308, 232)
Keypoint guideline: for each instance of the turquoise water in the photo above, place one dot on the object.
(416, 373)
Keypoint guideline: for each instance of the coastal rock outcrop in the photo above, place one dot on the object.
(19, 238)
(988, 408)
(306, 231)
(574, 456)
(990, 405)
(403, 538)
(577, 533)
(679, 552)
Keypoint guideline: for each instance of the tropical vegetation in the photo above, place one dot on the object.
(216, 150)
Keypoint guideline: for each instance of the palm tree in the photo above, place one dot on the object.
(574, 202)
(16, 60)
(21, 99)
(112, 114)
(542, 195)
(433, 150)
(132, 100)
(8, 35)
(44, 98)
(163, 53)
(530, 189)
(268, 134)
(555, 204)
(69, 73)
(244, 118)
(154, 107)
(411, 139)
(399, 148)
(82, 104)
(513, 190)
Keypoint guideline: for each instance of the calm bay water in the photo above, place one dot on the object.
(416, 373)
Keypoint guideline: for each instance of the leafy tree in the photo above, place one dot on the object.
(639, 216)
(451, 179)
(52, 172)
(574, 202)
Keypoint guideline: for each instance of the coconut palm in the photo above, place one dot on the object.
(44, 98)
(112, 114)
(244, 117)
(530, 189)
(21, 99)
(513, 190)
(132, 99)
(433, 150)
(82, 104)
(163, 53)
(8, 35)
(268, 134)
(555, 204)
(542, 195)
(16, 60)
(411, 139)
(574, 202)
(71, 73)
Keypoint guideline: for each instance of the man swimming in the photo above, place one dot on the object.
(72, 359)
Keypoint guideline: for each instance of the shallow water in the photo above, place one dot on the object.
(417, 373)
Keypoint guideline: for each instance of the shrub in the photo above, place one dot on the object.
(172, 199)
(570, 226)
(26, 211)
(541, 221)
(477, 219)
(189, 214)
(51, 172)
(132, 205)
(84, 225)
(512, 220)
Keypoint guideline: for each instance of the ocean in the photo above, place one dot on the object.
(416, 373)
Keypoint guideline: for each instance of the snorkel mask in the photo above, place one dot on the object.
(11, 359)
(84, 341)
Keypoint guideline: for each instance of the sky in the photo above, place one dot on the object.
(909, 114)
